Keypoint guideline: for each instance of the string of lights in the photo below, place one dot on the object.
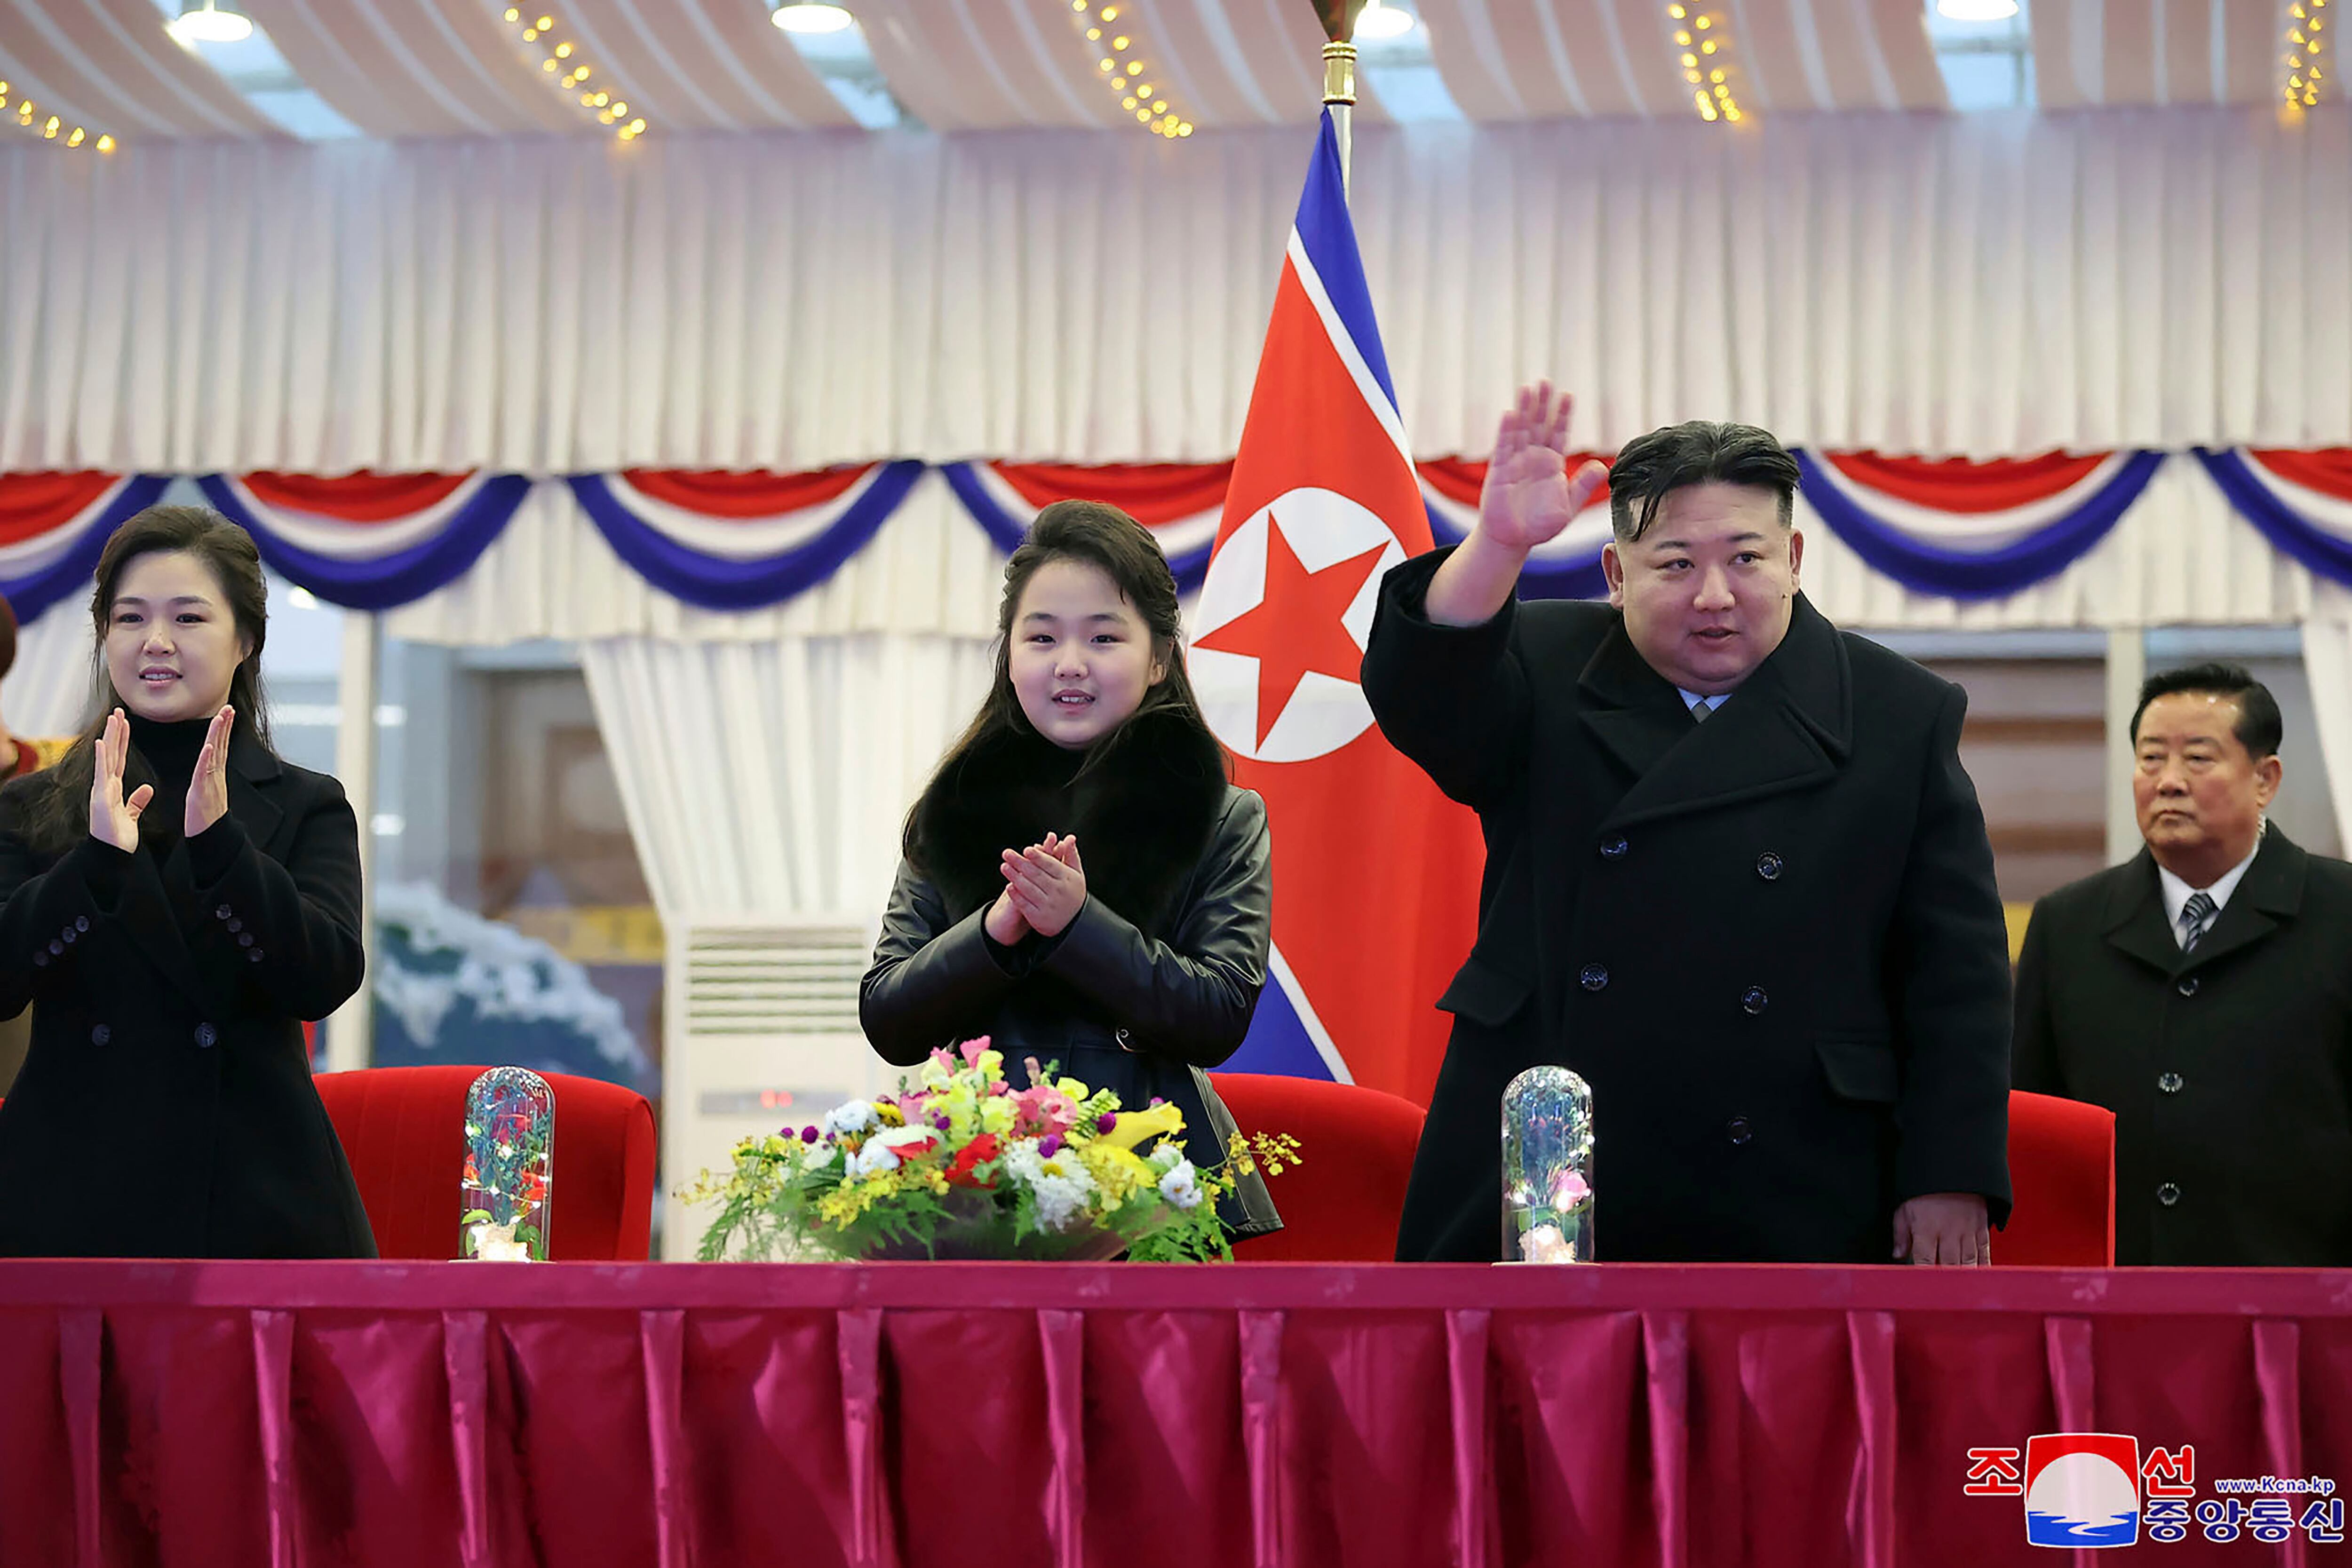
(1702, 47)
(561, 60)
(2305, 52)
(29, 119)
(1120, 67)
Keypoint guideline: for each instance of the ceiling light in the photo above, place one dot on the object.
(813, 18)
(1379, 21)
(1977, 10)
(207, 24)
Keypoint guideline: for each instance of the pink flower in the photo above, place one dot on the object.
(1046, 1109)
(971, 1050)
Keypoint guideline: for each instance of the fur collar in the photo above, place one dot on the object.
(1142, 813)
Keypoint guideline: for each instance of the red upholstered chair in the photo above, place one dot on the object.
(404, 1129)
(1340, 1203)
(2062, 1173)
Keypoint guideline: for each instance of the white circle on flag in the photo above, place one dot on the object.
(1321, 529)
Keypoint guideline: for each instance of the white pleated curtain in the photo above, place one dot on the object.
(769, 780)
(47, 691)
(1975, 285)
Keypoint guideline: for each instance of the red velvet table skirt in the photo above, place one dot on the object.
(974, 1415)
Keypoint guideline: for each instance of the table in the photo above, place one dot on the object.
(971, 1415)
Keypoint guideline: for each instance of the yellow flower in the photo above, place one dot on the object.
(891, 1116)
(991, 1064)
(1117, 1171)
(1133, 1127)
(773, 1144)
(1075, 1090)
(996, 1115)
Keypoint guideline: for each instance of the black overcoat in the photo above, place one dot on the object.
(2229, 1067)
(165, 1108)
(1156, 978)
(1770, 943)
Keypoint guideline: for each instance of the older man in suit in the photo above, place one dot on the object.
(2202, 991)
(1736, 876)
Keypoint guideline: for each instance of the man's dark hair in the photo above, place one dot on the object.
(1702, 452)
(2259, 729)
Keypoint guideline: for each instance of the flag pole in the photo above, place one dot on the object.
(1339, 97)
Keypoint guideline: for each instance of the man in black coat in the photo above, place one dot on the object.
(2202, 991)
(1735, 877)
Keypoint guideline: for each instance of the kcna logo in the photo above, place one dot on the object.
(1277, 647)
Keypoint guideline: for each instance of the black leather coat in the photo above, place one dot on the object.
(1155, 979)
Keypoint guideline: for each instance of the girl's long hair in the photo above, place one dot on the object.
(59, 817)
(1098, 534)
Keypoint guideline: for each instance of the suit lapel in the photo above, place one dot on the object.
(2133, 916)
(1787, 727)
(253, 778)
(2272, 890)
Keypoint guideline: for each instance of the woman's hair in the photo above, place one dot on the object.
(1097, 534)
(59, 817)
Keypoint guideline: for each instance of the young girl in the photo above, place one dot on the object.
(174, 901)
(1080, 883)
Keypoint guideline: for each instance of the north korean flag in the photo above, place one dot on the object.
(1375, 873)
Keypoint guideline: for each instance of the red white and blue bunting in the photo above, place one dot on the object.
(2302, 501)
(53, 527)
(736, 541)
(368, 542)
(1967, 530)
(740, 541)
(1180, 503)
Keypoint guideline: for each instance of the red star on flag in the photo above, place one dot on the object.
(1297, 627)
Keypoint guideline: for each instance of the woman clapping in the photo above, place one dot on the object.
(175, 900)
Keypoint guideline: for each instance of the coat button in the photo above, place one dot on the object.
(2187, 985)
(1592, 977)
(41, 959)
(100, 1035)
(1753, 1000)
(55, 946)
(223, 913)
(236, 926)
(245, 938)
(1615, 849)
(253, 956)
(2168, 1082)
(1768, 866)
(206, 1037)
(70, 935)
(2168, 1194)
(1738, 1130)
(81, 922)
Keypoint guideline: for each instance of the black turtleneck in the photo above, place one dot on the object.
(170, 752)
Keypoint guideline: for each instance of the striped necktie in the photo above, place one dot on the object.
(1701, 708)
(2195, 916)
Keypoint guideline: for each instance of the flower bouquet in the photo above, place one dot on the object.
(964, 1166)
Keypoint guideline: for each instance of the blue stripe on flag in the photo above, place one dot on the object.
(1277, 1042)
(1329, 238)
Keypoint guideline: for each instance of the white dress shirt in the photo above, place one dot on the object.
(2176, 892)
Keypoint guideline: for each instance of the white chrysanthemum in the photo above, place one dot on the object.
(1165, 1156)
(1180, 1185)
(850, 1117)
(1060, 1200)
(1022, 1162)
(875, 1157)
